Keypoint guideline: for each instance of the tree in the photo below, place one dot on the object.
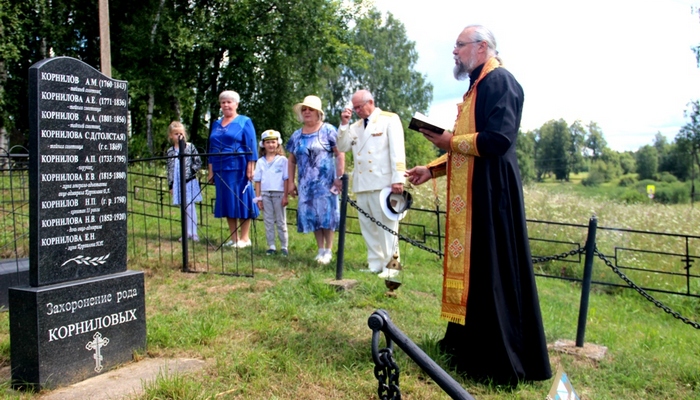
(387, 71)
(647, 162)
(688, 139)
(553, 150)
(595, 141)
(525, 152)
(38, 29)
(612, 160)
(679, 160)
(628, 163)
(578, 140)
(11, 45)
(178, 55)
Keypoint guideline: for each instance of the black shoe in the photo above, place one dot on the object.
(270, 252)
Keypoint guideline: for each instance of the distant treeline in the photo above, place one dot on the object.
(178, 55)
(557, 150)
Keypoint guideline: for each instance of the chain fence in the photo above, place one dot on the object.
(644, 293)
(543, 259)
(387, 372)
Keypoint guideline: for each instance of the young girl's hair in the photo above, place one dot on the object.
(175, 125)
(279, 151)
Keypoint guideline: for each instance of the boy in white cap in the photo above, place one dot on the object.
(270, 177)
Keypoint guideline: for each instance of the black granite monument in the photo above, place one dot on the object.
(83, 313)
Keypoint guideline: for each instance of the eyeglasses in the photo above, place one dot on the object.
(459, 45)
(359, 106)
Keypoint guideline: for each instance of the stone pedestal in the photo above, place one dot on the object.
(68, 332)
(12, 273)
(83, 312)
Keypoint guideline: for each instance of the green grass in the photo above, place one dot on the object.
(286, 334)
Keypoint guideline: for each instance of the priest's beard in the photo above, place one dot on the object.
(461, 70)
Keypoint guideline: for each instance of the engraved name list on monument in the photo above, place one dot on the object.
(78, 176)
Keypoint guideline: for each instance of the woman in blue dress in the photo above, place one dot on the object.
(232, 174)
(312, 149)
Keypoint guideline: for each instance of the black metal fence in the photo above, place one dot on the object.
(645, 261)
(155, 225)
(656, 261)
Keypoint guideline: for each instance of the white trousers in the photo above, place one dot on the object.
(380, 243)
(274, 215)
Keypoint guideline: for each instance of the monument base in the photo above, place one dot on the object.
(68, 332)
(13, 272)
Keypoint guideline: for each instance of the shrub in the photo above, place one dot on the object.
(595, 178)
(632, 196)
(667, 177)
(627, 181)
(672, 193)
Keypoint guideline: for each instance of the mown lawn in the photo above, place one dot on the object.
(287, 334)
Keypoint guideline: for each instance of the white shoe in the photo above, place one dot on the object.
(388, 273)
(325, 259)
(229, 244)
(242, 245)
(318, 257)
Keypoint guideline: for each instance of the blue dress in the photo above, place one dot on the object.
(234, 192)
(317, 207)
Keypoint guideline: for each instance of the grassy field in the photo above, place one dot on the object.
(287, 334)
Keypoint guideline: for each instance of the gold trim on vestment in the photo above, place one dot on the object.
(459, 162)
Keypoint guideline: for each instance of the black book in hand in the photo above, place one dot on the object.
(421, 121)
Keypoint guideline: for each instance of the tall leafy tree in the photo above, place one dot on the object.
(178, 55)
(578, 140)
(647, 162)
(553, 150)
(43, 28)
(525, 151)
(611, 159)
(202, 47)
(679, 160)
(628, 162)
(388, 71)
(688, 140)
(595, 142)
(11, 45)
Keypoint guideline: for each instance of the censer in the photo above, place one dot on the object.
(395, 206)
(393, 280)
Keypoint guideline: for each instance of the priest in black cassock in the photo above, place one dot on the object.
(489, 295)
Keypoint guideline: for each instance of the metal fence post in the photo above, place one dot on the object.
(586, 284)
(341, 228)
(379, 321)
(183, 203)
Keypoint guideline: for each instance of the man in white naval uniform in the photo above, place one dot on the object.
(377, 144)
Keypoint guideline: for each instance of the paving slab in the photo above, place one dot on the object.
(592, 351)
(125, 382)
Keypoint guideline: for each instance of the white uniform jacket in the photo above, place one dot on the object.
(377, 150)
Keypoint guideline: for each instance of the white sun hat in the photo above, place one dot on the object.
(311, 102)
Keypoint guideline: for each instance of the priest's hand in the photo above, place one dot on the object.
(418, 175)
(441, 141)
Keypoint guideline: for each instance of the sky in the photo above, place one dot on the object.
(625, 65)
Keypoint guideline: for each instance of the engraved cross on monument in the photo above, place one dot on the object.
(80, 289)
(96, 345)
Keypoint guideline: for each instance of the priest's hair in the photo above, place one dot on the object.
(482, 34)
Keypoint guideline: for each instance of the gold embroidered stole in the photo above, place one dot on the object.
(458, 237)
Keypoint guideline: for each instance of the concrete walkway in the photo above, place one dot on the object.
(125, 382)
